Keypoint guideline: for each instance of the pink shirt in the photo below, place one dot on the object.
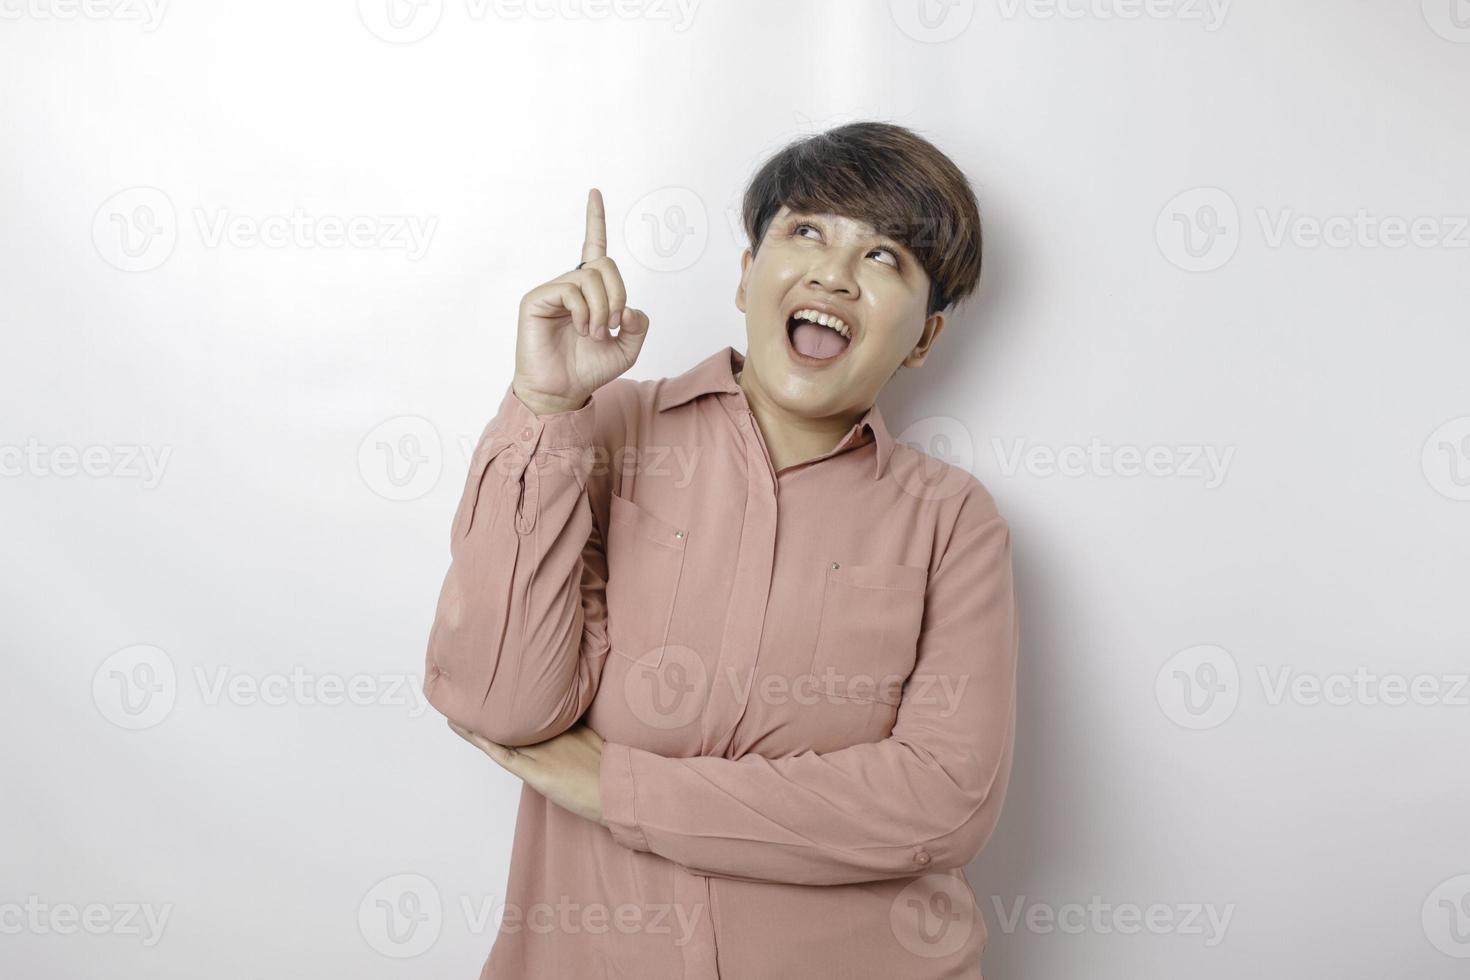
(806, 681)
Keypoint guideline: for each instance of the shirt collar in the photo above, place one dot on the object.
(716, 373)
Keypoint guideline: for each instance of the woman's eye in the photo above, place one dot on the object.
(893, 258)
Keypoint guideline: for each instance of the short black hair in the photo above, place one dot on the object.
(889, 177)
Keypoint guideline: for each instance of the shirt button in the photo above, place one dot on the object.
(526, 432)
(922, 856)
(834, 566)
(678, 534)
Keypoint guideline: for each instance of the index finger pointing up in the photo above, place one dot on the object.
(594, 246)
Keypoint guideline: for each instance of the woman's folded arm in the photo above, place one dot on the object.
(515, 649)
(924, 799)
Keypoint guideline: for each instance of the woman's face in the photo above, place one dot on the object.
(875, 286)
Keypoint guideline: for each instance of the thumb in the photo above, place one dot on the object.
(632, 332)
(634, 322)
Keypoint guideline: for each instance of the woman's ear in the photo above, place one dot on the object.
(932, 328)
(745, 259)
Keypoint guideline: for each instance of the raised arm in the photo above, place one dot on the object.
(515, 649)
(924, 799)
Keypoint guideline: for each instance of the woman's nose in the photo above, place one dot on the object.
(834, 273)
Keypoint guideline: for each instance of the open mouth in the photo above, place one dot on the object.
(817, 335)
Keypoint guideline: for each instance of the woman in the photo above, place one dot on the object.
(793, 639)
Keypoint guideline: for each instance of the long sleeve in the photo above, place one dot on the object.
(515, 649)
(924, 799)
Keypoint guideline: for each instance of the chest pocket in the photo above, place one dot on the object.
(867, 639)
(645, 557)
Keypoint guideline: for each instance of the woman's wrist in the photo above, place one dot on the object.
(542, 404)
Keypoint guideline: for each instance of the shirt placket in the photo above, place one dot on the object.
(745, 619)
(692, 900)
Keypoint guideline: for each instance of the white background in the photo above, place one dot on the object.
(309, 409)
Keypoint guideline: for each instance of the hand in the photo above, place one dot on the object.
(564, 768)
(564, 350)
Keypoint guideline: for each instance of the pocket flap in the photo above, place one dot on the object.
(645, 523)
(908, 578)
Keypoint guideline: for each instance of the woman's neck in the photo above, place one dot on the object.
(791, 439)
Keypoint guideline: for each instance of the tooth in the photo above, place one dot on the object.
(826, 320)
